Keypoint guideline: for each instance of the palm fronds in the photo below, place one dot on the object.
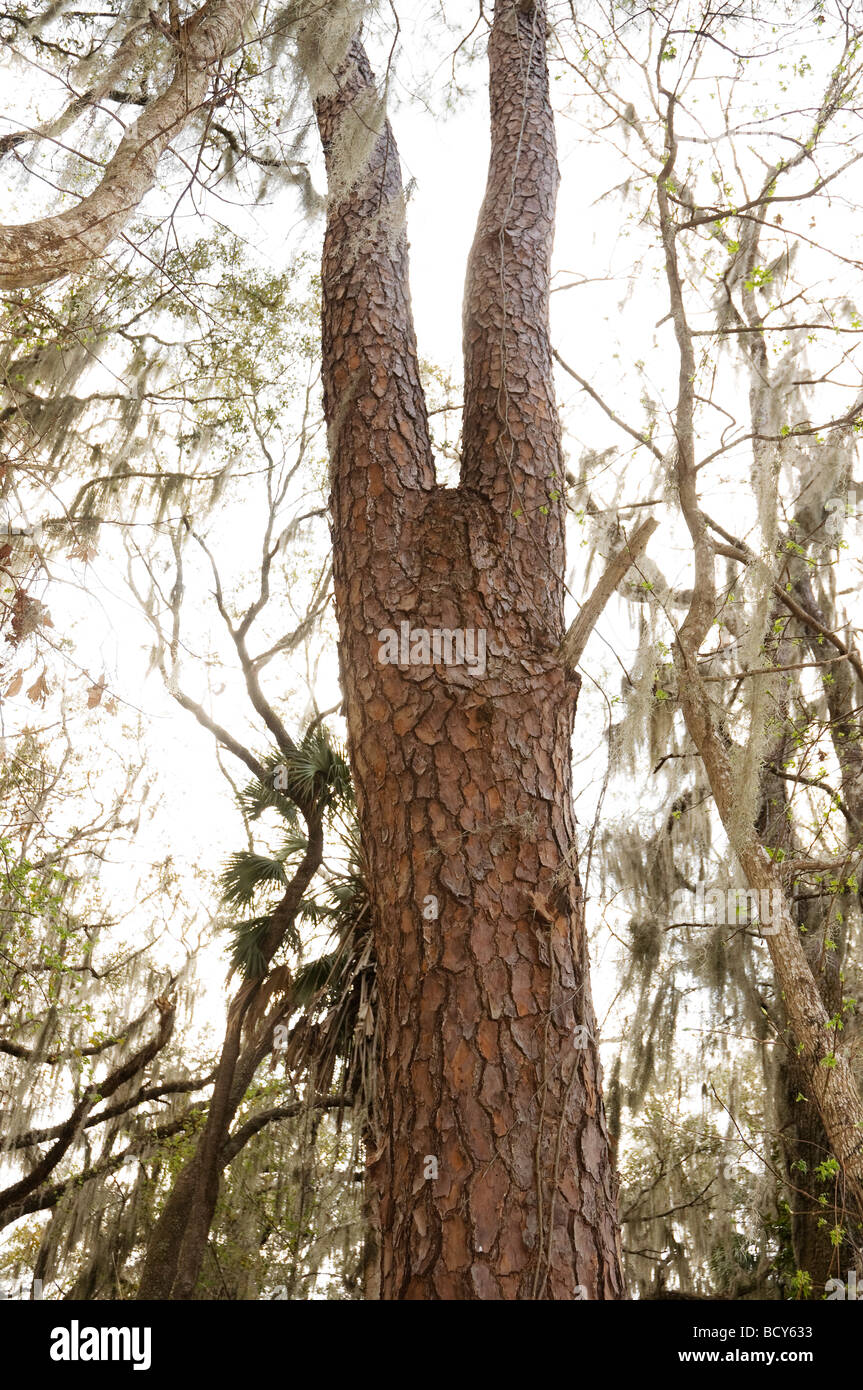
(247, 958)
(258, 796)
(245, 873)
(315, 769)
(333, 996)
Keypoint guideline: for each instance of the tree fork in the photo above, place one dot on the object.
(491, 1171)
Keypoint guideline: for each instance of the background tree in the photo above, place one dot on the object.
(202, 373)
(742, 260)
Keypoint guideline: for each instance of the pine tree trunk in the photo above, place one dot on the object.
(493, 1172)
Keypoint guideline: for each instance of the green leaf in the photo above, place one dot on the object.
(246, 872)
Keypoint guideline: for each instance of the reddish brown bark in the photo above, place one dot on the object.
(463, 776)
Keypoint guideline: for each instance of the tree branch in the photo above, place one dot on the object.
(575, 641)
(36, 253)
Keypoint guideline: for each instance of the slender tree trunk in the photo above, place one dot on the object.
(806, 1146)
(832, 1084)
(176, 1249)
(804, 1140)
(493, 1172)
(814, 1247)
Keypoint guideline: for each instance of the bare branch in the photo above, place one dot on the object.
(575, 641)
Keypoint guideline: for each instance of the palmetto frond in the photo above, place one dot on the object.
(332, 996)
(316, 767)
(246, 872)
(247, 958)
(337, 992)
(258, 796)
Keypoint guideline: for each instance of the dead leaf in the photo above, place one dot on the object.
(28, 614)
(85, 551)
(39, 690)
(277, 982)
(541, 908)
(15, 684)
(95, 693)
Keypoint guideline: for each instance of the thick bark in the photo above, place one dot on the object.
(492, 1174)
(511, 442)
(35, 253)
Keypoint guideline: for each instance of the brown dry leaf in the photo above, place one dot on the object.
(541, 907)
(39, 690)
(28, 614)
(95, 693)
(277, 982)
(15, 684)
(85, 551)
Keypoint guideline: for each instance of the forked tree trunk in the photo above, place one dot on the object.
(493, 1174)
